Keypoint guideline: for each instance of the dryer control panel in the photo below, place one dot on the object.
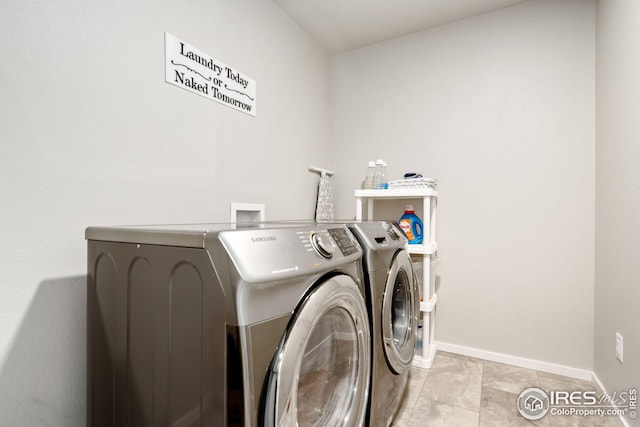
(325, 242)
(344, 240)
(275, 253)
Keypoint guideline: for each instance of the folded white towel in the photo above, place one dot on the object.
(424, 182)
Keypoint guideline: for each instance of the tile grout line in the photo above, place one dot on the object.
(481, 391)
(424, 383)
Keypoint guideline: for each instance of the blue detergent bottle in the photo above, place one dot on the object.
(411, 225)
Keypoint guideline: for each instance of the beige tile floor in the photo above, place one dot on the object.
(464, 391)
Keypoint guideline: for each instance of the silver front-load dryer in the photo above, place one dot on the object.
(214, 326)
(393, 303)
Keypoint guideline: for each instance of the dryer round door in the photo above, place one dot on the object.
(400, 306)
(320, 374)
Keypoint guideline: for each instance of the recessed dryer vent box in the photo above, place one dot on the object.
(247, 212)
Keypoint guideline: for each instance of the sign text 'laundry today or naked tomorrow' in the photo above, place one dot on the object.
(197, 72)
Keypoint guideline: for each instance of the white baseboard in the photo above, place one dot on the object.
(596, 380)
(522, 362)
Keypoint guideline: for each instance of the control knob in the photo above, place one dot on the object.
(323, 248)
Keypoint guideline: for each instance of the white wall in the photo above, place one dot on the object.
(91, 134)
(501, 109)
(617, 291)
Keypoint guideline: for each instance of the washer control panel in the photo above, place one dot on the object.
(393, 232)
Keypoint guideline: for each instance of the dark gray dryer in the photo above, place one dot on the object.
(207, 325)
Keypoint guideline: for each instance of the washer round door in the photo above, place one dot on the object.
(320, 374)
(400, 307)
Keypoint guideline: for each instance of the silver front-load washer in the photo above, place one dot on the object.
(214, 326)
(393, 302)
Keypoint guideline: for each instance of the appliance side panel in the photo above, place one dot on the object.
(140, 341)
(101, 368)
(186, 322)
(157, 337)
